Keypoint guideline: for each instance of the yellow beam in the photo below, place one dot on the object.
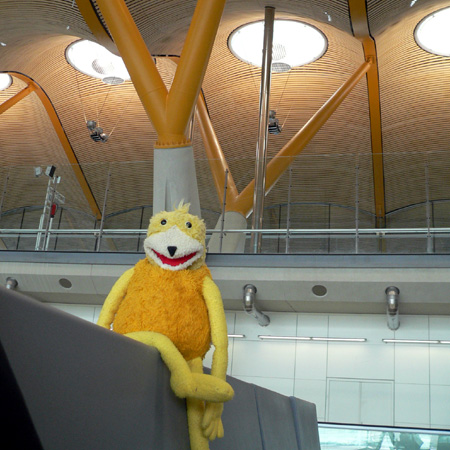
(94, 23)
(193, 63)
(16, 98)
(216, 158)
(287, 154)
(171, 111)
(359, 20)
(138, 60)
(64, 142)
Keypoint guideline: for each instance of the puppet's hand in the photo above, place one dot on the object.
(212, 423)
(104, 324)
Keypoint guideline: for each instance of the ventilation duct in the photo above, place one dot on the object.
(392, 294)
(11, 283)
(250, 307)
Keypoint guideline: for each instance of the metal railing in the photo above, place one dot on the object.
(305, 212)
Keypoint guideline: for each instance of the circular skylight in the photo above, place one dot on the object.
(433, 33)
(5, 81)
(96, 61)
(294, 44)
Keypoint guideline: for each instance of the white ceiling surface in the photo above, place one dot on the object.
(280, 289)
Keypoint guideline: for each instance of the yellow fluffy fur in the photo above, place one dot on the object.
(150, 305)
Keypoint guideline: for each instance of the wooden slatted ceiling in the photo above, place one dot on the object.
(133, 138)
(385, 13)
(232, 90)
(36, 34)
(415, 110)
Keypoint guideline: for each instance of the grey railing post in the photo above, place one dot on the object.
(224, 204)
(102, 222)
(261, 147)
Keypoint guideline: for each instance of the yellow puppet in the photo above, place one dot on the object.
(168, 300)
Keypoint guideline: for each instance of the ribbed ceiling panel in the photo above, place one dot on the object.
(415, 109)
(232, 92)
(385, 13)
(413, 84)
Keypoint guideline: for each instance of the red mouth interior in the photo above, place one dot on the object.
(175, 261)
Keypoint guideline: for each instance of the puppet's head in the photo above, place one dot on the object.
(176, 240)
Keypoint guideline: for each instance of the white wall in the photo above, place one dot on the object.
(370, 382)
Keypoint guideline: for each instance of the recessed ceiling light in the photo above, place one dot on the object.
(96, 61)
(306, 338)
(433, 33)
(294, 44)
(284, 338)
(5, 81)
(410, 341)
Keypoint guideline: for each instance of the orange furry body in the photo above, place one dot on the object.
(168, 302)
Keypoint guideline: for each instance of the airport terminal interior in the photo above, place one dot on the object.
(311, 136)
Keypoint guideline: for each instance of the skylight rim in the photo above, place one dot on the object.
(120, 71)
(419, 28)
(6, 84)
(312, 28)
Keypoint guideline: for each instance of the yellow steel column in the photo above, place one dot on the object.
(138, 60)
(169, 112)
(287, 154)
(64, 142)
(16, 98)
(358, 17)
(192, 66)
(216, 158)
(94, 23)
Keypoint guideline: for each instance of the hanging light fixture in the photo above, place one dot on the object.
(97, 134)
(5, 81)
(433, 33)
(294, 44)
(96, 61)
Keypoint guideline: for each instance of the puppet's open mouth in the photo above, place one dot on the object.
(174, 261)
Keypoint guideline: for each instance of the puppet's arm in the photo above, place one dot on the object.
(218, 325)
(211, 423)
(114, 299)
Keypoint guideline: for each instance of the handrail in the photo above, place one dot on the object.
(274, 231)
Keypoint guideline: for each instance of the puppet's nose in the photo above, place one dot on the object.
(171, 250)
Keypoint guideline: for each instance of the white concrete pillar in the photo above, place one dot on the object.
(232, 242)
(174, 179)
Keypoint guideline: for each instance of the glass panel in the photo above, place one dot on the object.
(335, 437)
(324, 216)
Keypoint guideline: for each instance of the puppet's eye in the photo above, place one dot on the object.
(188, 224)
(163, 222)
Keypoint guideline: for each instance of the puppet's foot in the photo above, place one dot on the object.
(211, 422)
(202, 387)
(195, 411)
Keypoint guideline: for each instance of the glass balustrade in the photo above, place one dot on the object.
(320, 204)
(353, 437)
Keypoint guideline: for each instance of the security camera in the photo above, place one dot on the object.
(50, 171)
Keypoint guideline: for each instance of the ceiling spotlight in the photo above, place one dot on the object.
(96, 61)
(294, 44)
(433, 33)
(96, 133)
(38, 171)
(274, 123)
(5, 81)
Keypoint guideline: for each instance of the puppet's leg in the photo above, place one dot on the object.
(195, 412)
(185, 383)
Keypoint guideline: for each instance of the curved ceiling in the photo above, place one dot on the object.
(414, 90)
